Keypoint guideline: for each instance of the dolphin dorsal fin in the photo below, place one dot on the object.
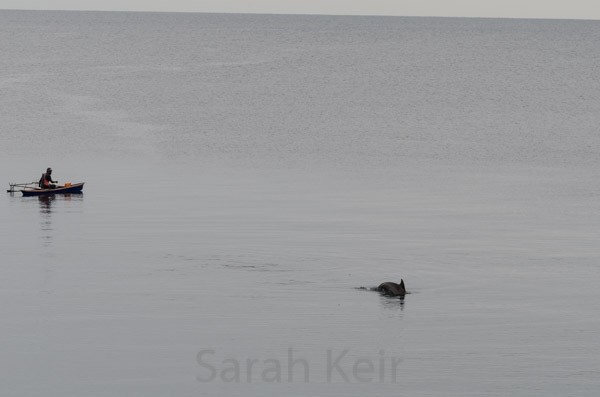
(402, 285)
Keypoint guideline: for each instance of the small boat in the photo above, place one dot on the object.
(66, 189)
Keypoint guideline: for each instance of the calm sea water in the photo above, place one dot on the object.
(245, 174)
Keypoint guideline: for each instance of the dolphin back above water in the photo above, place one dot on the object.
(392, 289)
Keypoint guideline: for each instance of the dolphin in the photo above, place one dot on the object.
(392, 289)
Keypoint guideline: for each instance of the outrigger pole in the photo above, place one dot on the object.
(13, 185)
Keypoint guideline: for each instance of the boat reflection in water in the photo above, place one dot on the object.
(46, 204)
(50, 204)
(46, 217)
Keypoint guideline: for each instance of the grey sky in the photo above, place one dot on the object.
(563, 9)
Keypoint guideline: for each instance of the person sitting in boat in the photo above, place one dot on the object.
(46, 181)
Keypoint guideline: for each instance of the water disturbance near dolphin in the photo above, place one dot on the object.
(389, 288)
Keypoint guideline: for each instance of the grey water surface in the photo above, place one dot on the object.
(245, 174)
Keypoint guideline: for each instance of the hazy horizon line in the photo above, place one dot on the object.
(303, 14)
